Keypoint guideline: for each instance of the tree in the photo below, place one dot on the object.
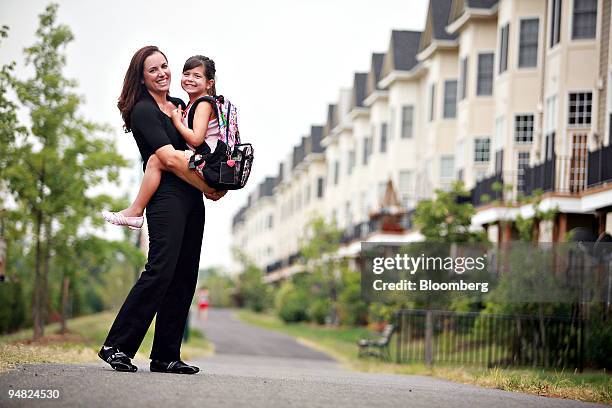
(447, 218)
(62, 156)
(318, 249)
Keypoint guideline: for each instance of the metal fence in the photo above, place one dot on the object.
(432, 336)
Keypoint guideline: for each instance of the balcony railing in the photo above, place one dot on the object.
(562, 174)
(488, 189)
(599, 167)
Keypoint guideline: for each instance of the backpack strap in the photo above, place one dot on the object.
(195, 103)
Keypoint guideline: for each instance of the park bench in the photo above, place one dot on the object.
(377, 347)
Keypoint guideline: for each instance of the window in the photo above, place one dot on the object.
(320, 187)
(351, 161)
(522, 164)
(382, 188)
(447, 166)
(463, 76)
(580, 104)
(482, 149)
(523, 128)
(336, 172)
(270, 221)
(367, 149)
(584, 20)
(528, 43)
(391, 122)
(499, 161)
(550, 125)
(383, 137)
(405, 187)
(484, 85)
(407, 116)
(450, 98)
(432, 101)
(348, 215)
(459, 153)
(503, 48)
(555, 19)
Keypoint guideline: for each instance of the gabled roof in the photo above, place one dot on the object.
(332, 118)
(316, 135)
(298, 154)
(281, 173)
(403, 48)
(460, 6)
(359, 89)
(375, 72)
(266, 187)
(435, 26)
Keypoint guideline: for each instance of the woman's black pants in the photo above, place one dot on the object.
(175, 219)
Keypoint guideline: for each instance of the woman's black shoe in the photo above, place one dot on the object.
(117, 359)
(176, 367)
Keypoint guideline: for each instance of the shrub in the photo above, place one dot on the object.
(319, 310)
(351, 308)
(599, 352)
(291, 303)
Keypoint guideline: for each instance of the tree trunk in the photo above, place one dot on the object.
(37, 301)
(65, 292)
(45, 275)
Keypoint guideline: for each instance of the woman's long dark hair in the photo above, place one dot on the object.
(209, 68)
(133, 86)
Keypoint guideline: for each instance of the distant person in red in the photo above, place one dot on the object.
(203, 304)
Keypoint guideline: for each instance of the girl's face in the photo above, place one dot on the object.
(156, 74)
(194, 81)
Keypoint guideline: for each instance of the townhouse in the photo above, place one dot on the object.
(511, 97)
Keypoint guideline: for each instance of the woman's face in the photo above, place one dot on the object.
(194, 81)
(156, 73)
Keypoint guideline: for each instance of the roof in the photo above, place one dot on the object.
(266, 187)
(239, 216)
(359, 89)
(436, 22)
(280, 175)
(375, 72)
(298, 154)
(403, 48)
(331, 118)
(458, 7)
(316, 135)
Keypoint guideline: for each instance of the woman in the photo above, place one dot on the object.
(175, 217)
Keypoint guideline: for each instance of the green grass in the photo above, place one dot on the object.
(85, 336)
(341, 343)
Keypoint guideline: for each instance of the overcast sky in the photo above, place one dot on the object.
(280, 62)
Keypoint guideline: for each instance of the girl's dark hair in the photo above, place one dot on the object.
(209, 68)
(133, 86)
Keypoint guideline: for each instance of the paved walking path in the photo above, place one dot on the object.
(253, 368)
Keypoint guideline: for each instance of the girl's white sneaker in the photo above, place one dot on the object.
(121, 220)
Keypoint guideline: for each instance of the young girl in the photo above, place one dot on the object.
(198, 81)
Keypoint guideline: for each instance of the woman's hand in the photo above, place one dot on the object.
(177, 116)
(215, 195)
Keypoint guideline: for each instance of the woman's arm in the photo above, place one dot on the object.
(201, 117)
(175, 162)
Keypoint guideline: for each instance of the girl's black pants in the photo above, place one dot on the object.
(175, 219)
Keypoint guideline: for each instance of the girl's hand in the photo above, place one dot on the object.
(177, 115)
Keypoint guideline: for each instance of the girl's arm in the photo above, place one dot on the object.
(201, 117)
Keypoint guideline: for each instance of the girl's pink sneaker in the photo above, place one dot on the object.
(121, 220)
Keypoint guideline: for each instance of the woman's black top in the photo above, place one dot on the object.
(152, 128)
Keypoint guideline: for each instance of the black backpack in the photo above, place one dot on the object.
(233, 158)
